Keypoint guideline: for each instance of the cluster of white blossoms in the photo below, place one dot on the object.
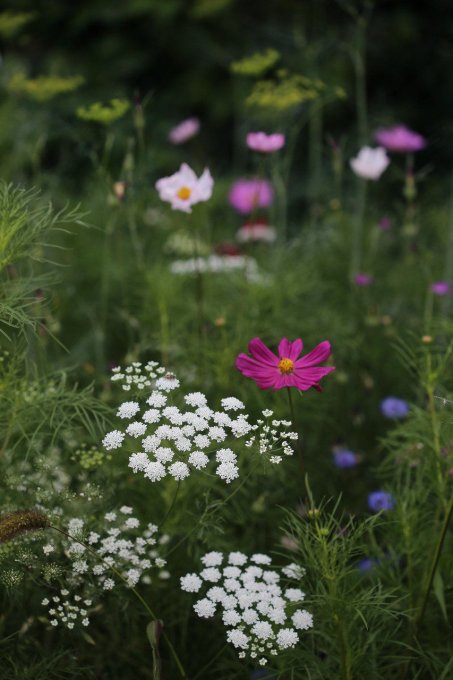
(176, 440)
(262, 616)
(123, 545)
(67, 610)
(123, 548)
(216, 264)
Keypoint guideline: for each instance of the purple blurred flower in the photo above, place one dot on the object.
(363, 279)
(367, 564)
(248, 194)
(185, 130)
(440, 288)
(400, 139)
(380, 500)
(392, 407)
(343, 458)
(260, 141)
(385, 223)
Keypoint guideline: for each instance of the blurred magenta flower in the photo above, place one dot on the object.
(370, 163)
(184, 188)
(380, 500)
(184, 131)
(248, 194)
(285, 370)
(440, 288)
(400, 139)
(363, 279)
(256, 230)
(260, 141)
(343, 458)
(392, 407)
(385, 223)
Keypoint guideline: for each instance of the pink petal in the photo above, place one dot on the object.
(312, 375)
(290, 350)
(261, 353)
(319, 354)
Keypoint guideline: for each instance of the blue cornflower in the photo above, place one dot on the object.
(343, 458)
(380, 500)
(392, 407)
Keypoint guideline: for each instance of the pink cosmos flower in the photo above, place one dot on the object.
(440, 288)
(184, 188)
(286, 369)
(248, 194)
(185, 130)
(400, 139)
(260, 141)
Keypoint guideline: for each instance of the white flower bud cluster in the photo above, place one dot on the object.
(67, 610)
(273, 436)
(137, 375)
(178, 439)
(261, 615)
(123, 545)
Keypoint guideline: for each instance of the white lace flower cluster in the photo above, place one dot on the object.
(175, 441)
(124, 546)
(262, 616)
(67, 610)
(137, 375)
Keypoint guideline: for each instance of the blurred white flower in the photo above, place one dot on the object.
(370, 163)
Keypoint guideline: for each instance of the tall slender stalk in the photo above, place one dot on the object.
(357, 234)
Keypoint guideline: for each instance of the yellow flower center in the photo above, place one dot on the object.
(286, 366)
(184, 193)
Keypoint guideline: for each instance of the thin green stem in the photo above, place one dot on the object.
(298, 445)
(172, 504)
(434, 564)
(357, 235)
(209, 664)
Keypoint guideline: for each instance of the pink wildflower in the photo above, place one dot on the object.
(286, 369)
(260, 141)
(440, 288)
(184, 131)
(184, 188)
(363, 279)
(400, 139)
(248, 194)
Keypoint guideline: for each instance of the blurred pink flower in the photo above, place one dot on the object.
(440, 288)
(370, 163)
(185, 130)
(248, 194)
(256, 230)
(400, 139)
(260, 141)
(363, 279)
(284, 370)
(385, 223)
(184, 188)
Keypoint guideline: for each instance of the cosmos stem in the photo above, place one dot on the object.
(297, 445)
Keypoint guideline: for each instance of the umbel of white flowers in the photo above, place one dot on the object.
(180, 434)
(262, 616)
